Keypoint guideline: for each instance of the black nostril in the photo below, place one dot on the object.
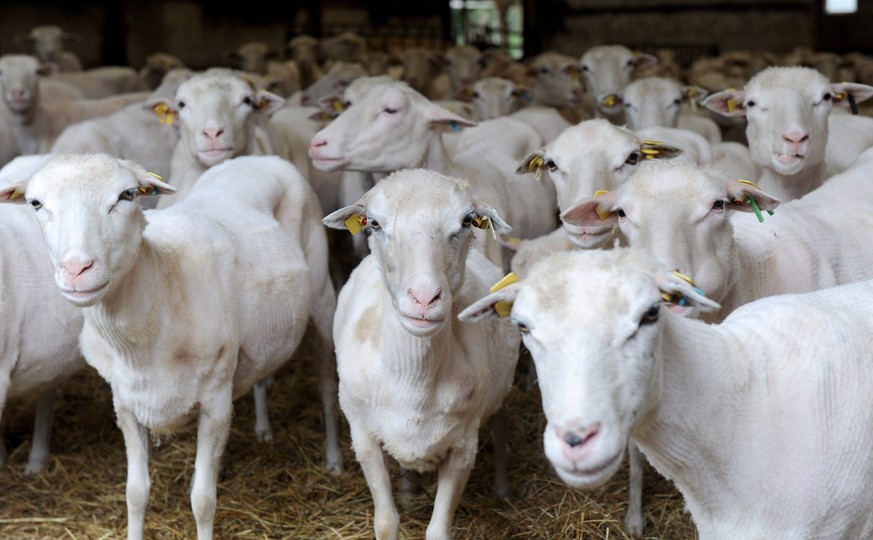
(573, 439)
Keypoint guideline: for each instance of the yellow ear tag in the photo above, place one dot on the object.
(355, 223)
(536, 167)
(338, 105)
(609, 100)
(650, 153)
(748, 182)
(17, 194)
(602, 212)
(840, 96)
(731, 104)
(164, 114)
(484, 223)
(503, 308)
(155, 175)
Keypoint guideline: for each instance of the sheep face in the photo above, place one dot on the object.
(607, 69)
(217, 114)
(19, 77)
(91, 221)
(493, 97)
(420, 225)
(388, 129)
(652, 101)
(556, 80)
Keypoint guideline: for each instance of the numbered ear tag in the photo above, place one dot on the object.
(17, 194)
(338, 105)
(602, 212)
(536, 167)
(503, 308)
(355, 223)
(731, 104)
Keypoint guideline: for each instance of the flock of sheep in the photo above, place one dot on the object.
(419, 217)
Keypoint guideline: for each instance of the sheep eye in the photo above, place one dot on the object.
(651, 315)
(718, 205)
(828, 97)
(544, 71)
(36, 204)
(522, 328)
(750, 104)
(676, 102)
(633, 158)
(128, 194)
(248, 100)
(476, 95)
(181, 105)
(551, 165)
(374, 225)
(585, 68)
(389, 110)
(468, 219)
(630, 63)
(621, 213)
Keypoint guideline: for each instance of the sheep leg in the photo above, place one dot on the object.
(374, 464)
(4, 392)
(500, 440)
(452, 477)
(136, 444)
(263, 431)
(633, 521)
(213, 428)
(327, 375)
(42, 432)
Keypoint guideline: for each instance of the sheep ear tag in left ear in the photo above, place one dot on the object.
(503, 308)
(355, 223)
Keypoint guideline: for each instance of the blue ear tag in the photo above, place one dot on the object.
(455, 126)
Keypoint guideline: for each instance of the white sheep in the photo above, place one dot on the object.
(554, 80)
(246, 246)
(763, 422)
(792, 135)
(40, 331)
(34, 122)
(663, 101)
(104, 81)
(607, 70)
(394, 127)
(415, 384)
(682, 214)
(259, 58)
(218, 113)
(49, 43)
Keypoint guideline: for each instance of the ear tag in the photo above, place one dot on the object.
(484, 222)
(840, 96)
(536, 167)
(526, 96)
(155, 175)
(609, 100)
(338, 105)
(17, 194)
(731, 104)
(455, 126)
(677, 298)
(650, 153)
(602, 212)
(573, 72)
(355, 223)
(164, 114)
(852, 105)
(503, 308)
(752, 202)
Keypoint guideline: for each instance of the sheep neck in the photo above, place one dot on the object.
(786, 188)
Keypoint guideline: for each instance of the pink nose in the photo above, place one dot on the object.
(425, 297)
(75, 267)
(796, 137)
(213, 133)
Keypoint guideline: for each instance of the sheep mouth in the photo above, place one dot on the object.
(788, 159)
(590, 476)
(85, 297)
(420, 325)
(216, 152)
(328, 164)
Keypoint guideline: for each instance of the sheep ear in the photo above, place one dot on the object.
(741, 193)
(644, 61)
(495, 305)
(845, 94)
(150, 184)
(351, 218)
(652, 149)
(592, 212)
(681, 291)
(13, 193)
(489, 219)
(164, 109)
(534, 163)
(727, 102)
(441, 116)
(268, 102)
(332, 103)
(694, 94)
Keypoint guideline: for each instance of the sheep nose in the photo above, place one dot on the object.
(575, 438)
(75, 267)
(317, 143)
(796, 137)
(213, 133)
(425, 298)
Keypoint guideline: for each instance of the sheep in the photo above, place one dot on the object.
(36, 123)
(216, 112)
(40, 331)
(245, 246)
(793, 137)
(129, 133)
(303, 51)
(762, 421)
(335, 81)
(156, 67)
(607, 70)
(394, 127)
(415, 385)
(421, 69)
(696, 221)
(661, 101)
(554, 81)
(48, 42)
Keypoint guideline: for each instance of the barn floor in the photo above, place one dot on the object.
(279, 490)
